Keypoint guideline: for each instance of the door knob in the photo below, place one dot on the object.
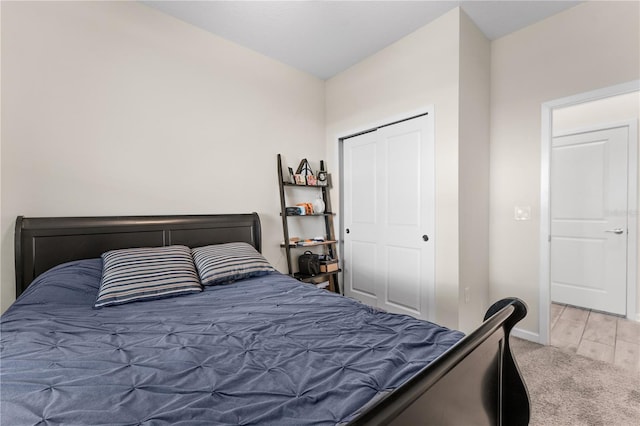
(347, 230)
(615, 231)
(425, 237)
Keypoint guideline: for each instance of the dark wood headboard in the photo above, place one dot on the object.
(44, 242)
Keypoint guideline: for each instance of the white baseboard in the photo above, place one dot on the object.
(526, 335)
(638, 317)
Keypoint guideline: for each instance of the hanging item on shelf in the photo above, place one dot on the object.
(304, 170)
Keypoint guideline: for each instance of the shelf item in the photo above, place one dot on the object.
(323, 284)
(320, 184)
(318, 278)
(310, 244)
(329, 265)
(318, 206)
(311, 215)
(303, 185)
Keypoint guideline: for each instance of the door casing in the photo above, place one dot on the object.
(545, 202)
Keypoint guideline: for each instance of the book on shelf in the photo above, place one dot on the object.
(304, 243)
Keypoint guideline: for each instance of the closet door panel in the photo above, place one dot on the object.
(389, 192)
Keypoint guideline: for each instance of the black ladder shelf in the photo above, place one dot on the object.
(329, 246)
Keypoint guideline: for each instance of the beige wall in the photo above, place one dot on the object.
(473, 171)
(83, 83)
(419, 70)
(603, 112)
(113, 108)
(427, 68)
(593, 45)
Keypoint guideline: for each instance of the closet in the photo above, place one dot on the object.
(388, 218)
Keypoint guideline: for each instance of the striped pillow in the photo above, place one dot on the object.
(222, 263)
(130, 275)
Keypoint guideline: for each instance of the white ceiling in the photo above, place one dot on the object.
(324, 38)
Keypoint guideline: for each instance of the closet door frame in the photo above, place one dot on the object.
(365, 128)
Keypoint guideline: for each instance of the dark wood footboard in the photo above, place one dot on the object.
(477, 382)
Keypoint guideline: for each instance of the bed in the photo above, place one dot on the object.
(266, 349)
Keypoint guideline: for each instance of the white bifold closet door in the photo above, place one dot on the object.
(388, 226)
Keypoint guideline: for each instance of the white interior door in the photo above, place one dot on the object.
(589, 219)
(388, 183)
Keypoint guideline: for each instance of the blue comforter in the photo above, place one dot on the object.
(266, 350)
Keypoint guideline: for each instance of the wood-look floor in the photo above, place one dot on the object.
(596, 335)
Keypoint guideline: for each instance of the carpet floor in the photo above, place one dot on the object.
(569, 389)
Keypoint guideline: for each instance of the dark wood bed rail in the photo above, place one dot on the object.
(44, 242)
(477, 382)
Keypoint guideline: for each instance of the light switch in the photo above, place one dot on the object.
(522, 212)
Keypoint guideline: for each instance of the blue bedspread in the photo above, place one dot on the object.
(266, 350)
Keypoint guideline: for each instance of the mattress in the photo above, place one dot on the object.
(265, 350)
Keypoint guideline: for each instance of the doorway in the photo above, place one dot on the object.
(589, 215)
(388, 193)
(578, 188)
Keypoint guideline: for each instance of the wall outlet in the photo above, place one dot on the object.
(467, 295)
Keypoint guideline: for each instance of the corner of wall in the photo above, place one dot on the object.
(418, 70)
(473, 173)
